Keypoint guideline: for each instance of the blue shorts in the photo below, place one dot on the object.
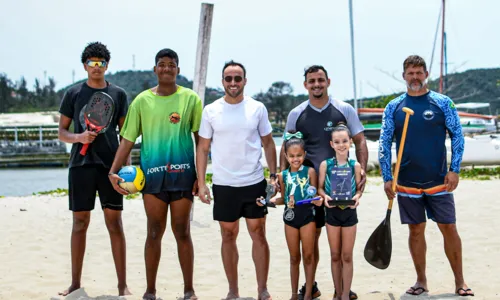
(439, 208)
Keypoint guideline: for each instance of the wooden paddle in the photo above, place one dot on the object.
(378, 248)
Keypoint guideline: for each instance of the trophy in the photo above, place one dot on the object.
(311, 191)
(270, 189)
(341, 189)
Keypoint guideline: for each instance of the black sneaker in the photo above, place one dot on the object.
(315, 291)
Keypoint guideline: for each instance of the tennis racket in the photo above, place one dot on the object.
(98, 114)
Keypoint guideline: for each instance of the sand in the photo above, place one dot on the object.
(35, 257)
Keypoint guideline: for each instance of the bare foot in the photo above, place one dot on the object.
(264, 295)
(190, 296)
(149, 296)
(123, 291)
(232, 295)
(294, 296)
(70, 290)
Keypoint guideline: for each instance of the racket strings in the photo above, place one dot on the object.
(100, 111)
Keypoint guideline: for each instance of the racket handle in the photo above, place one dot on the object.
(84, 149)
(306, 201)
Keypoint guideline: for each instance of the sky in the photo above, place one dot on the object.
(274, 39)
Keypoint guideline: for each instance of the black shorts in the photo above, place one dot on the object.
(84, 182)
(171, 196)
(299, 216)
(341, 217)
(319, 216)
(232, 203)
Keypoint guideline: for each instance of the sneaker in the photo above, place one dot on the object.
(315, 291)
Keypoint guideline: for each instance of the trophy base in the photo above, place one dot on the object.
(341, 202)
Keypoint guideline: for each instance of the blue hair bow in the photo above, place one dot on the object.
(297, 135)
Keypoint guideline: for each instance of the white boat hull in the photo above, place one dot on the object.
(480, 150)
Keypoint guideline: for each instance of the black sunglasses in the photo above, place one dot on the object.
(230, 78)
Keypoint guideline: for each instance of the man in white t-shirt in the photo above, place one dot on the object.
(235, 127)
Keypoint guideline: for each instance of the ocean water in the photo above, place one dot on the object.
(26, 181)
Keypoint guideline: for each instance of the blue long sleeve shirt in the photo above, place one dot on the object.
(424, 162)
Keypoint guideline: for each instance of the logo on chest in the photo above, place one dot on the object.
(174, 118)
(428, 115)
(329, 126)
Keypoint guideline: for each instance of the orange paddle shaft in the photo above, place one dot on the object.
(409, 113)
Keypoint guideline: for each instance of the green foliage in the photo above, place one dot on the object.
(465, 173)
(15, 96)
(479, 85)
(58, 192)
(480, 173)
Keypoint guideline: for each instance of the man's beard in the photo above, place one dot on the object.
(416, 88)
(230, 93)
(318, 96)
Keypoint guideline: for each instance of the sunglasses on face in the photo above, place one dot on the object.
(230, 79)
(100, 64)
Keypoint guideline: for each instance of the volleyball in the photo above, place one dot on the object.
(133, 179)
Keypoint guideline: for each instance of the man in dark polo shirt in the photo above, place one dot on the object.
(316, 118)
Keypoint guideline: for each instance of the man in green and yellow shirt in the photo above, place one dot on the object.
(165, 117)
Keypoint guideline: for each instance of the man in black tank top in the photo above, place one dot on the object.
(316, 118)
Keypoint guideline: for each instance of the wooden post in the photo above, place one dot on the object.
(203, 48)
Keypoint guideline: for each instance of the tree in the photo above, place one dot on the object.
(6, 90)
(279, 100)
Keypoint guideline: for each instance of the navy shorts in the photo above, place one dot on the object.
(439, 208)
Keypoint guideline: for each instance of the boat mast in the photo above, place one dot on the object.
(442, 52)
(352, 57)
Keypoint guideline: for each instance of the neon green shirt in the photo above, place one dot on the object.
(167, 150)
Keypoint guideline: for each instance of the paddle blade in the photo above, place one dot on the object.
(99, 111)
(378, 248)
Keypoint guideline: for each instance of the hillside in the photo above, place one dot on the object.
(479, 85)
(135, 82)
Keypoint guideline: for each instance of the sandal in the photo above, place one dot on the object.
(465, 292)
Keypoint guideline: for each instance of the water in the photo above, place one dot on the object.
(23, 182)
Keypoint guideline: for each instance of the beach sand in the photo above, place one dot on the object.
(35, 251)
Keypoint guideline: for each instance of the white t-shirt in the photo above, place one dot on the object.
(236, 147)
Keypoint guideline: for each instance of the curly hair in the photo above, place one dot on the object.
(95, 49)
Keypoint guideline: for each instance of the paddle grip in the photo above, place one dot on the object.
(84, 149)
(408, 112)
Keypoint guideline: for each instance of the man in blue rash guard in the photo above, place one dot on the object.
(424, 183)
